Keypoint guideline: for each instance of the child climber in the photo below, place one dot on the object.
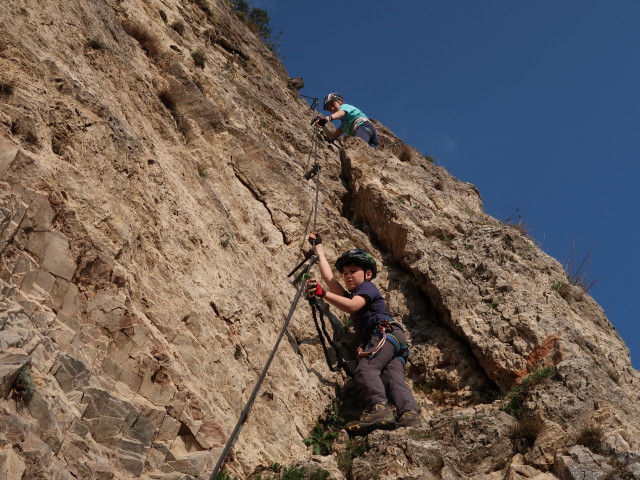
(354, 122)
(380, 370)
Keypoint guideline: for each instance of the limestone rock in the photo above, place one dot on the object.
(150, 211)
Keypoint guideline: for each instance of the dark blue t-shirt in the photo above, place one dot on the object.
(365, 319)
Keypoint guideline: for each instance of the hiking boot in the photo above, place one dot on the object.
(409, 419)
(379, 416)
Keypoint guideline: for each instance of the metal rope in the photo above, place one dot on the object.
(247, 407)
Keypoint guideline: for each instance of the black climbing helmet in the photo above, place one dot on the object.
(358, 257)
(332, 97)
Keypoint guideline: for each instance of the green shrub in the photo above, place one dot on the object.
(24, 387)
(429, 158)
(354, 449)
(203, 170)
(225, 476)
(258, 21)
(292, 473)
(237, 354)
(321, 440)
(516, 396)
(320, 474)
(423, 387)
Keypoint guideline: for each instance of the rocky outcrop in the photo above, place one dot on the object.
(152, 201)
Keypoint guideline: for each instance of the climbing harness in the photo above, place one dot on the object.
(383, 330)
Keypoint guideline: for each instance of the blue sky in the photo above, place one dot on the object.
(535, 103)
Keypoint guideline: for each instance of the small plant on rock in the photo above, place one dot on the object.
(204, 6)
(96, 43)
(178, 27)
(423, 387)
(562, 288)
(405, 153)
(292, 473)
(591, 436)
(321, 440)
(6, 88)
(225, 476)
(577, 269)
(354, 448)
(419, 434)
(198, 58)
(203, 170)
(516, 396)
(168, 99)
(527, 428)
(237, 354)
(24, 387)
(143, 36)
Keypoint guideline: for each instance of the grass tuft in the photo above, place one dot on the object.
(143, 36)
(563, 289)
(405, 154)
(6, 88)
(591, 436)
(178, 27)
(168, 99)
(96, 43)
(198, 58)
(527, 428)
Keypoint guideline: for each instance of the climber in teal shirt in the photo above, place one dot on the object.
(354, 122)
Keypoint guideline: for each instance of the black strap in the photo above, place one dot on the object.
(325, 337)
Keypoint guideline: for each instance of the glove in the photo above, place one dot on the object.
(319, 292)
(321, 122)
(318, 239)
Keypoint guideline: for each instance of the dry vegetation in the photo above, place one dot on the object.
(147, 40)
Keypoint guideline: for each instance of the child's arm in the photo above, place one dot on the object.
(325, 269)
(332, 136)
(347, 305)
(324, 122)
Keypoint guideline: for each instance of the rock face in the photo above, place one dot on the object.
(152, 201)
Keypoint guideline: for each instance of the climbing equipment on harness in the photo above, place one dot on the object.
(359, 257)
(383, 330)
(332, 97)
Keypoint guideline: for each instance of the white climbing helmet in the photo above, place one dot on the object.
(332, 97)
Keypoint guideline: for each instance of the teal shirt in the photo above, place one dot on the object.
(351, 114)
